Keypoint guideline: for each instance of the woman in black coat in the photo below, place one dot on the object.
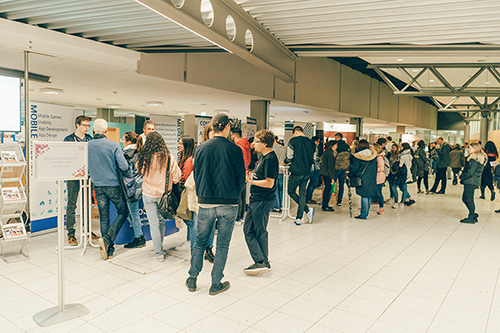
(327, 170)
(471, 179)
(423, 163)
(487, 177)
(364, 166)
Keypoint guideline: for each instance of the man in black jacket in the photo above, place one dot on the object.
(299, 155)
(443, 151)
(219, 174)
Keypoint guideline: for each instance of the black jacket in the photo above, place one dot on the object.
(471, 175)
(299, 155)
(365, 158)
(327, 164)
(73, 137)
(444, 155)
(219, 172)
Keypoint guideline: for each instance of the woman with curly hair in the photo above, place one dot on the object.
(152, 163)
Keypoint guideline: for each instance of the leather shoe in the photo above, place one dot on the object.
(328, 209)
(359, 217)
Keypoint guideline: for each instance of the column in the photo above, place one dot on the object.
(484, 127)
(190, 127)
(359, 125)
(466, 130)
(106, 114)
(259, 110)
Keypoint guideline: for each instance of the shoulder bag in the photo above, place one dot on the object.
(167, 207)
(356, 181)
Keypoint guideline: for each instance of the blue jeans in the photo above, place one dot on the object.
(299, 181)
(380, 195)
(135, 219)
(191, 231)
(405, 194)
(224, 216)
(340, 175)
(156, 222)
(312, 184)
(278, 204)
(105, 194)
(365, 206)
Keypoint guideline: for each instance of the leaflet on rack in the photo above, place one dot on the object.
(9, 156)
(11, 193)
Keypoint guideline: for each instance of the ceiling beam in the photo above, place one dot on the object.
(267, 53)
(447, 93)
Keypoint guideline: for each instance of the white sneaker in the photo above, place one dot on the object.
(184, 246)
(401, 205)
(238, 222)
(310, 215)
(395, 206)
(157, 257)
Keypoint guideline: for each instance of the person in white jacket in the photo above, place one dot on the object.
(405, 158)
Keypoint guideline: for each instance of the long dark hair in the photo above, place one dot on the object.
(155, 145)
(188, 143)
(490, 148)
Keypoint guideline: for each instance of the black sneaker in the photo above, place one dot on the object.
(256, 269)
(136, 243)
(111, 252)
(209, 255)
(218, 288)
(268, 264)
(328, 209)
(191, 284)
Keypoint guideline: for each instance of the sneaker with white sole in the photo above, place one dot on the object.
(156, 257)
(298, 221)
(395, 206)
(310, 215)
(401, 205)
(238, 222)
(184, 246)
(256, 269)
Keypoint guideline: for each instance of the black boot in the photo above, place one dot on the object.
(493, 194)
(470, 219)
(209, 255)
(482, 193)
(136, 243)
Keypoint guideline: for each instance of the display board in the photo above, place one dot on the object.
(251, 127)
(10, 104)
(53, 160)
(170, 130)
(201, 122)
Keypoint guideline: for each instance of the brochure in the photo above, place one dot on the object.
(13, 231)
(9, 156)
(11, 193)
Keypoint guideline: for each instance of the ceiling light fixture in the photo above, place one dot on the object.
(432, 80)
(486, 82)
(113, 106)
(182, 113)
(399, 59)
(154, 103)
(51, 91)
(222, 111)
(414, 70)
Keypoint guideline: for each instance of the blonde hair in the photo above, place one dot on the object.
(476, 146)
(377, 148)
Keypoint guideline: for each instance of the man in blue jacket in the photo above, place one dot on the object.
(219, 174)
(105, 157)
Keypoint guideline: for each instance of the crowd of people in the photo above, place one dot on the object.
(214, 175)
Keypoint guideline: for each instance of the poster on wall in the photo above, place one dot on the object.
(47, 122)
(201, 122)
(251, 127)
(170, 129)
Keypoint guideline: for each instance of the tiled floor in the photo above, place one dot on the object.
(411, 270)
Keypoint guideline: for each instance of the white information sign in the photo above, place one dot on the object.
(54, 160)
(201, 122)
(251, 127)
(170, 130)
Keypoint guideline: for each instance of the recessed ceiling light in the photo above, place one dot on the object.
(278, 123)
(182, 113)
(222, 111)
(486, 82)
(154, 103)
(203, 113)
(414, 70)
(113, 106)
(399, 59)
(51, 91)
(432, 80)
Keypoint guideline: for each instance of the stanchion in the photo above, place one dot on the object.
(62, 312)
(285, 214)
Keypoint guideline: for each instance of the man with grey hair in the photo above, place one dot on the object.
(105, 157)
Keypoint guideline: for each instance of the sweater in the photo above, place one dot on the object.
(405, 159)
(245, 149)
(327, 164)
(380, 168)
(153, 185)
(219, 172)
(104, 156)
(299, 155)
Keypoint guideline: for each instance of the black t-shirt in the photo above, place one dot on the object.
(268, 167)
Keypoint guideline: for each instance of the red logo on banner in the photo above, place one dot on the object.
(41, 149)
(80, 172)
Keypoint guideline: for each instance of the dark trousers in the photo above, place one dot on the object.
(299, 181)
(440, 176)
(468, 198)
(456, 171)
(73, 187)
(425, 177)
(340, 175)
(327, 193)
(105, 195)
(312, 184)
(242, 203)
(255, 230)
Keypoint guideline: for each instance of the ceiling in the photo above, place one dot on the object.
(378, 31)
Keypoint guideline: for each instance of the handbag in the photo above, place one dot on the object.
(183, 210)
(356, 181)
(168, 204)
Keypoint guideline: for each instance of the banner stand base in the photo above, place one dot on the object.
(53, 316)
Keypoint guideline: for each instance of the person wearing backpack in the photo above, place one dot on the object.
(364, 166)
(471, 179)
(381, 175)
(423, 163)
(342, 158)
(457, 161)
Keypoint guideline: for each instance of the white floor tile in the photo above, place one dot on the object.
(181, 315)
(245, 312)
(117, 317)
(215, 324)
(280, 322)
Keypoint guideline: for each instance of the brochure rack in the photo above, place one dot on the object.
(12, 203)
